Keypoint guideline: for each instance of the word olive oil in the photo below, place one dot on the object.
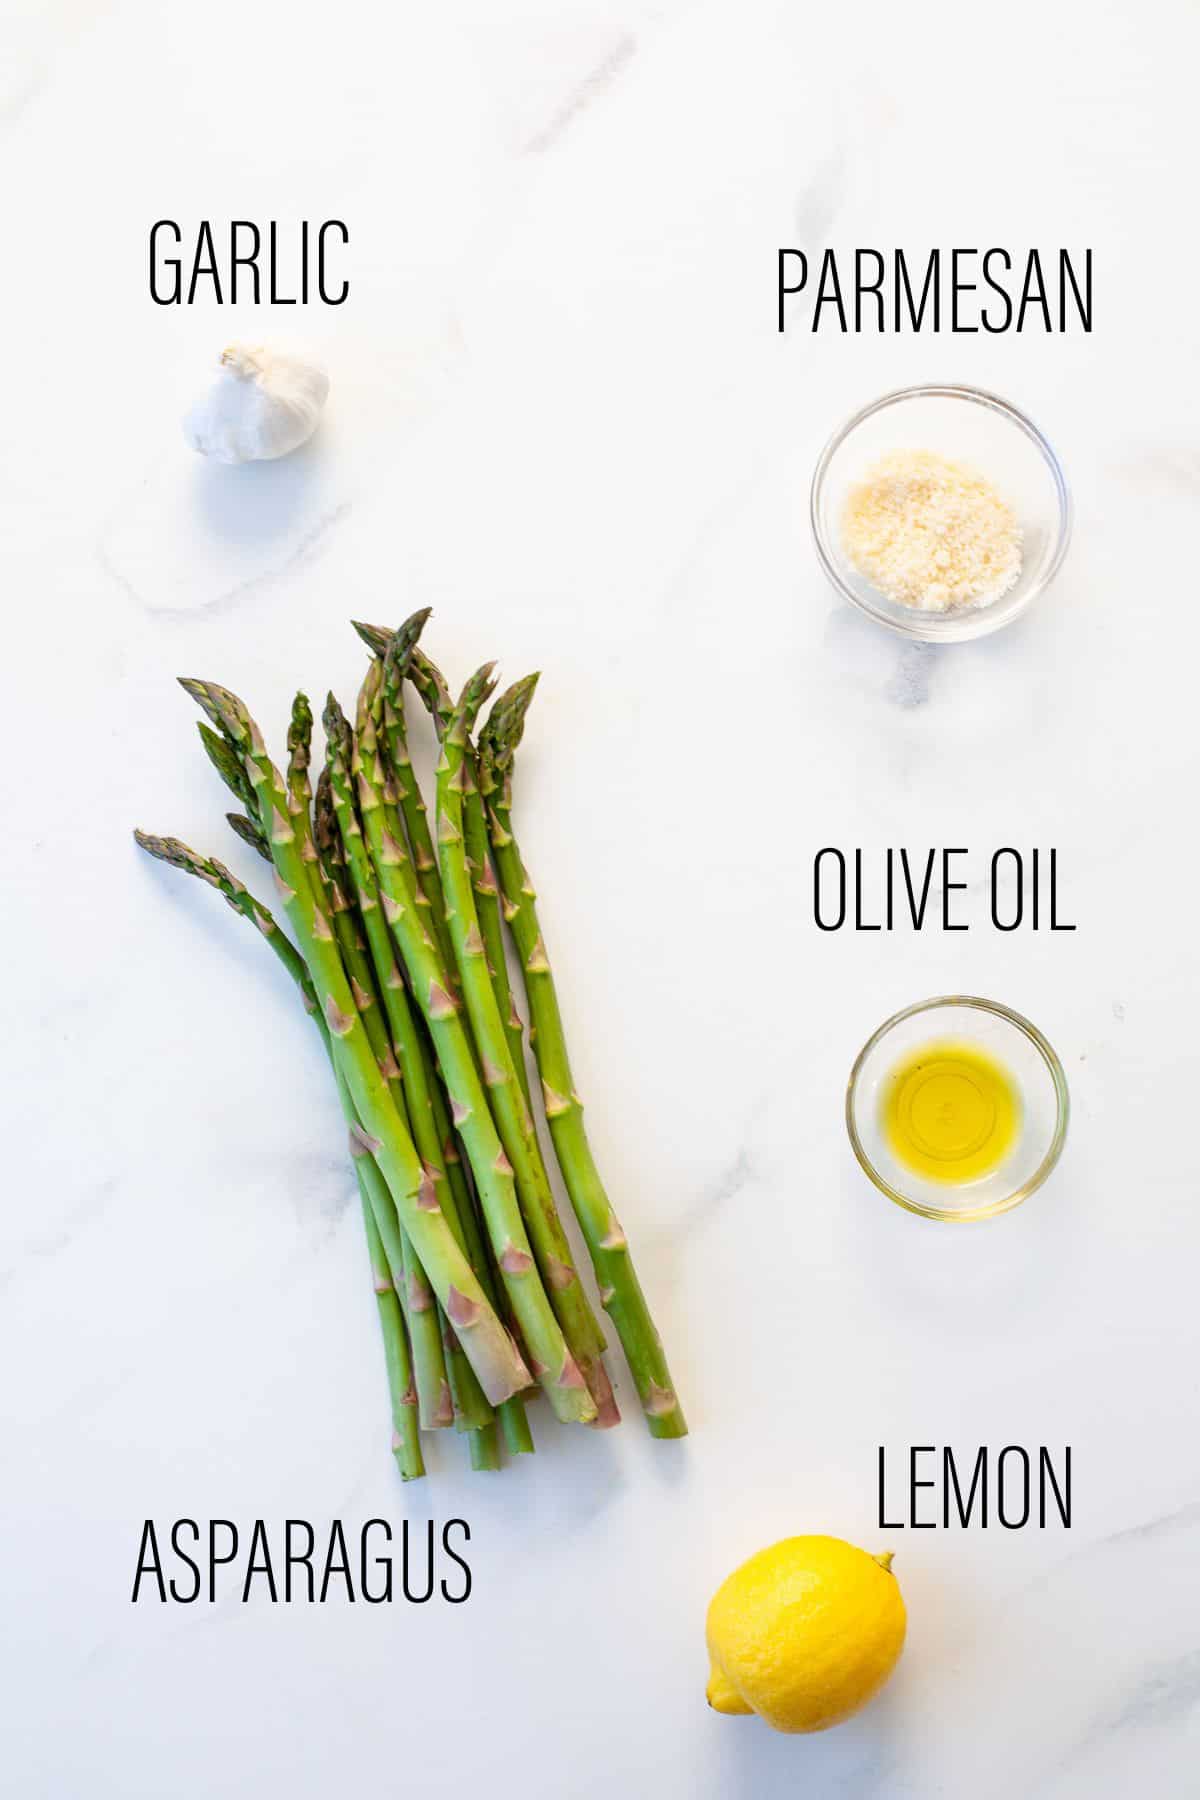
(950, 1112)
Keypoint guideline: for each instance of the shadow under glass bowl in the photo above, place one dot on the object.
(970, 426)
(1008, 1039)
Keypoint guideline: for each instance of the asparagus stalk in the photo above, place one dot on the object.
(556, 1368)
(250, 833)
(431, 686)
(372, 1192)
(620, 1292)
(511, 1415)
(432, 1131)
(488, 1344)
(512, 1115)
(463, 1402)
(425, 1324)
(485, 1448)
(437, 1389)
(393, 650)
(227, 763)
(389, 647)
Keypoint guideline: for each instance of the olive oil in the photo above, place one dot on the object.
(950, 1112)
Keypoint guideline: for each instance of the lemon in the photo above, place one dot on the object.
(804, 1633)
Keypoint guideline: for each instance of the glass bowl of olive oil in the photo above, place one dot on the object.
(957, 1108)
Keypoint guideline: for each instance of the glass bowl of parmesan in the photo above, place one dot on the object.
(942, 512)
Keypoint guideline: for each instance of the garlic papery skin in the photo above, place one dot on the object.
(262, 404)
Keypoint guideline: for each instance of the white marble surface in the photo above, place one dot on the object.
(561, 415)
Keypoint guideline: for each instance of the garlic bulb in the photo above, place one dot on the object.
(262, 404)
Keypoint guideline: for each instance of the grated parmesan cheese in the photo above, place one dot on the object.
(931, 534)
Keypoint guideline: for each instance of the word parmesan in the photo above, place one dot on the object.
(993, 290)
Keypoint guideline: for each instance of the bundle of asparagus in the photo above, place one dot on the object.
(398, 949)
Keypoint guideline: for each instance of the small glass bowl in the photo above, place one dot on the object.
(1013, 1042)
(969, 426)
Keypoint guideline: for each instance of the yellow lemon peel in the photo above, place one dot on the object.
(804, 1633)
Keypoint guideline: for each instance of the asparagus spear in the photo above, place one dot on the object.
(406, 1439)
(372, 975)
(250, 833)
(512, 1116)
(425, 1323)
(432, 689)
(227, 763)
(620, 1291)
(423, 1317)
(556, 1368)
(393, 650)
(511, 1415)
(372, 1192)
(582, 1333)
(489, 1346)
(427, 678)
(431, 1127)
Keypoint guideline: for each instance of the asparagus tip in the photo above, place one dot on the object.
(375, 637)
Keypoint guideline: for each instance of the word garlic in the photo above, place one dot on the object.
(263, 404)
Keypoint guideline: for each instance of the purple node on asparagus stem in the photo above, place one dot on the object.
(420, 1295)
(340, 1023)
(539, 963)
(445, 1406)
(659, 1401)
(458, 1112)
(427, 1199)
(361, 1141)
(461, 1310)
(502, 1166)
(569, 1374)
(561, 1276)
(441, 1004)
(515, 1261)
(556, 1103)
(492, 1076)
